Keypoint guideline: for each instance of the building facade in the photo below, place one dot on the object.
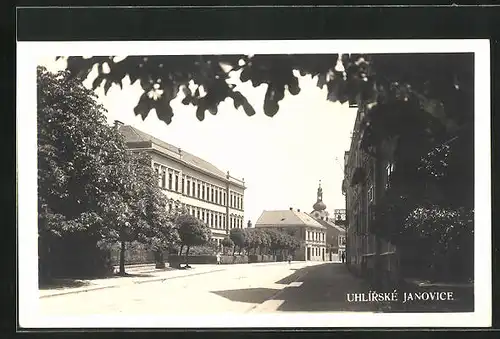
(365, 181)
(311, 233)
(215, 197)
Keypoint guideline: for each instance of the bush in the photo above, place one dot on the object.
(209, 249)
(236, 259)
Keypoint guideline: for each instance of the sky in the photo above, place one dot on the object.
(282, 158)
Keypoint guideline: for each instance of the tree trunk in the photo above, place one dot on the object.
(180, 250)
(160, 262)
(234, 250)
(122, 258)
(187, 257)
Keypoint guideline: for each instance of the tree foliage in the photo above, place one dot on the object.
(264, 240)
(89, 185)
(441, 84)
(192, 232)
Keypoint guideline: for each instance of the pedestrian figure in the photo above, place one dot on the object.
(218, 258)
(343, 257)
(289, 259)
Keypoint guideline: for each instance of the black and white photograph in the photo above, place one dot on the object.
(254, 184)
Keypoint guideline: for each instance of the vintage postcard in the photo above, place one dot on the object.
(254, 184)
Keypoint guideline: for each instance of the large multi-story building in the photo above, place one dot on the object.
(205, 191)
(310, 232)
(365, 181)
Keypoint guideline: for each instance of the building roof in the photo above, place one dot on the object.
(133, 135)
(328, 224)
(281, 218)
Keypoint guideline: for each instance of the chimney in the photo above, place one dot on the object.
(118, 123)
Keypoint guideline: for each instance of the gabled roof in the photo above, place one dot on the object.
(133, 135)
(328, 224)
(283, 218)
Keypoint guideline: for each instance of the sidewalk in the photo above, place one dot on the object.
(140, 274)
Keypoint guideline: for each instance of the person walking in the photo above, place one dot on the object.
(218, 258)
(289, 259)
(343, 257)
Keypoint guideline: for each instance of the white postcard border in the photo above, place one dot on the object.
(29, 53)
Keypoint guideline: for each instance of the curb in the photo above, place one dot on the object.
(90, 289)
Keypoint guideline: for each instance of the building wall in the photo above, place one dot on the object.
(219, 202)
(361, 248)
(313, 241)
(315, 244)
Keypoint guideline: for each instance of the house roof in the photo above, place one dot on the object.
(328, 224)
(283, 218)
(133, 135)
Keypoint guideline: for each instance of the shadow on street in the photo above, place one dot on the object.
(324, 288)
(62, 283)
(248, 295)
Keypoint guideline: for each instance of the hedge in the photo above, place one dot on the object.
(261, 258)
(176, 260)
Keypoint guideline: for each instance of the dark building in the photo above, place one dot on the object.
(366, 180)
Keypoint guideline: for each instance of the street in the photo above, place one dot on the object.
(236, 289)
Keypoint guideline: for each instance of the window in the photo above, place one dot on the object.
(389, 169)
(203, 216)
(198, 214)
(216, 221)
(199, 191)
(163, 178)
(241, 202)
(189, 187)
(211, 220)
(370, 194)
(193, 192)
(176, 182)
(224, 196)
(212, 195)
(203, 192)
(224, 221)
(169, 180)
(220, 197)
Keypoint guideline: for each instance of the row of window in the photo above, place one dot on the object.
(172, 180)
(215, 219)
(316, 251)
(315, 236)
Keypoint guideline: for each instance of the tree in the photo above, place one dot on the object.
(440, 83)
(227, 243)
(91, 188)
(192, 232)
(237, 235)
(76, 150)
